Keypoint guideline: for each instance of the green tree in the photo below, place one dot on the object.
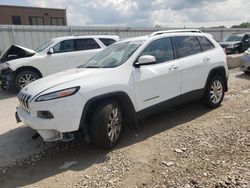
(242, 25)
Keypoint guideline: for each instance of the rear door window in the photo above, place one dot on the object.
(205, 44)
(161, 49)
(106, 41)
(187, 45)
(86, 44)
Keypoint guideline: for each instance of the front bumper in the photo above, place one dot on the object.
(67, 114)
(6, 78)
(48, 135)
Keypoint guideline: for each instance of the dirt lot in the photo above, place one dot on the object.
(189, 146)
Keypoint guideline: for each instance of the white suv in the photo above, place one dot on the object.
(124, 83)
(20, 65)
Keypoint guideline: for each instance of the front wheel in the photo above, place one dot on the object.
(214, 93)
(106, 124)
(23, 78)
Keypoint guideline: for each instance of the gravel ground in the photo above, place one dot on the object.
(15, 139)
(189, 146)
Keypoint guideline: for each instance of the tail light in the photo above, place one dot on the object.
(225, 50)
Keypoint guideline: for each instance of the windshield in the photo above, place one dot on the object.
(234, 38)
(114, 55)
(44, 46)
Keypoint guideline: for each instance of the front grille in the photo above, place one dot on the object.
(24, 100)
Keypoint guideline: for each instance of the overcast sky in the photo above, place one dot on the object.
(171, 13)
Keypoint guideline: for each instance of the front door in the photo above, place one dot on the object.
(159, 82)
(63, 58)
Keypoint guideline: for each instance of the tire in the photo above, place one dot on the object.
(23, 78)
(214, 93)
(107, 121)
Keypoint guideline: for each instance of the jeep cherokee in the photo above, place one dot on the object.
(124, 83)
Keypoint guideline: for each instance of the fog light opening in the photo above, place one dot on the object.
(45, 115)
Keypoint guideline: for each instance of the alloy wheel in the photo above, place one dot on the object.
(216, 91)
(26, 79)
(114, 124)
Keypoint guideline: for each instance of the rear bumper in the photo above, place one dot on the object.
(230, 51)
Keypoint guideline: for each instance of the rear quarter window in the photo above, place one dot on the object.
(187, 45)
(106, 41)
(205, 44)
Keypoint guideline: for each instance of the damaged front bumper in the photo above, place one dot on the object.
(6, 78)
(48, 134)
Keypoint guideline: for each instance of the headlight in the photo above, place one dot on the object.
(4, 66)
(58, 94)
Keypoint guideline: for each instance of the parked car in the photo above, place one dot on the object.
(124, 83)
(19, 66)
(246, 61)
(236, 43)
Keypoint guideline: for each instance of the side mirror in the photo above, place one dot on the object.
(145, 60)
(51, 51)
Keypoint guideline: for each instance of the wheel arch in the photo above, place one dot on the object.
(25, 68)
(122, 98)
(218, 71)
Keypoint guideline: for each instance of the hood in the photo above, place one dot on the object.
(227, 43)
(16, 52)
(62, 78)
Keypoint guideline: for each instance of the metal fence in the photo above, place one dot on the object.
(33, 36)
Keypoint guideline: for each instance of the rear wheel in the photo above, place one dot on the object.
(214, 93)
(23, 78)
(106, 124)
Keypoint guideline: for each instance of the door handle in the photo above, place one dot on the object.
(206, 59)
(173, 67)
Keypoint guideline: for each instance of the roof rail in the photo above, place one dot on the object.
(176, 31)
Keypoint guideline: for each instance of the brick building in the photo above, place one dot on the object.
(19, 15)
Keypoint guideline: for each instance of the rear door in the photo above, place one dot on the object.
(159, 82)
(86, 48)
(194, 54)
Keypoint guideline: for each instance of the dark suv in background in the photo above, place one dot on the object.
(236, 43)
